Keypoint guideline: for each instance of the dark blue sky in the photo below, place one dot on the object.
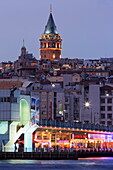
(86, 27)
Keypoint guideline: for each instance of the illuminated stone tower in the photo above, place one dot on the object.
(50, 42)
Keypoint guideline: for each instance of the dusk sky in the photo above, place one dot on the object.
(86, 27)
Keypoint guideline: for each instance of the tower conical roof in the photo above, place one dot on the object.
(50, 27)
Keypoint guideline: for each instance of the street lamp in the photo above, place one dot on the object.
(64, 112)
(53, 85)
(107, 94)
(53, 104)
(88, 105)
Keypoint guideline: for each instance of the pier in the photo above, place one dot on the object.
(56, 155)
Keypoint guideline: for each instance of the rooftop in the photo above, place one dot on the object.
(10, 84)
(50, 27)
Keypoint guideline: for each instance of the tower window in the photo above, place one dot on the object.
(41, 45)
(44, 45)
(57, 45)
(49, 45)
(53, 55)
(53, 45)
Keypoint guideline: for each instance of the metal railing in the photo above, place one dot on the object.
(75, 125)
(58, 149)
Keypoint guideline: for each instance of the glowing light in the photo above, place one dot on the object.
(60, 108)
(107, 94)
(63, 141)
(24, 112)
(87, 104)
(33, 64)
(50, 49)
(3, 127)
(53, 55)
(53, 85)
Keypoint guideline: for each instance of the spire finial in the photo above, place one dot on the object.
(23, 42)
(50, 8)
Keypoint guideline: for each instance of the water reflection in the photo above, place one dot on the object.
(18, 161)
(103, 163)
(97, 158)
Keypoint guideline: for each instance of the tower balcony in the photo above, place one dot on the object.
(50, 48)
(51, 37)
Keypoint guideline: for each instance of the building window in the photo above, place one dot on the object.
(50, 93)
(102, 108)
(109, 123)
(43, 93)
(87, 100)
(102, 116)
(66, 107)
(8, 99)
(102, 100)
(14, 100)
(102, 122)
(5, 99)
(1, 99)
(43, 99)
(66, 99)
(109, 100)
(53, 137)
(86, 89)
(39, 137)
(43, 106)
(109, 116)
(109, 108)
(102, 92)
(76, 116)
(43, 112)
(55, 94)
(76, 100)
(66, 116)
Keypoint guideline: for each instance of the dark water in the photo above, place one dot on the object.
(81, 164)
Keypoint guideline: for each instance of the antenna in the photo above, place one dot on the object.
(50, 8)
